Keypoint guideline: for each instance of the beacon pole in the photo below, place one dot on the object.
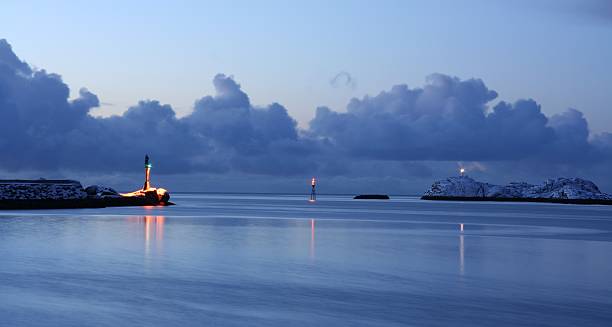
(313, 193)
(147, 183)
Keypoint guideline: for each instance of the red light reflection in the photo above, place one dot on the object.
(312, 237)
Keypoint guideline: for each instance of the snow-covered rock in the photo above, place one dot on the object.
(96, 191)
(41, 190)
(560, 188)
(459, 186)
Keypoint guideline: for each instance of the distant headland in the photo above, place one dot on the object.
(66, 194)
(559, 190)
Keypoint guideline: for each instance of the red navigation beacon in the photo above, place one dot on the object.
(313, 193)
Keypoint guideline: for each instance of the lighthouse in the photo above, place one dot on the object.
(149, 195)
(147, 183)
(313, 193)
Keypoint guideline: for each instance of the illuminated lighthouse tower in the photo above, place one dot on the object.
(313, 193)
(147, 183)
(149, 195)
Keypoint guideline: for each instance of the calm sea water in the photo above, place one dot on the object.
(274, 260)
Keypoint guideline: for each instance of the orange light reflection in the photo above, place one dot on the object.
(153, 231)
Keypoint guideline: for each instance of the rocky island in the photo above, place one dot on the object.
(371, 197)
(65, 194)
(560, 190)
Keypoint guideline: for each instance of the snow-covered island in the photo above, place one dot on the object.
(560, 190)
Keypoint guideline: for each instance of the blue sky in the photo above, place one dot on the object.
(240, 96)
(287, 51)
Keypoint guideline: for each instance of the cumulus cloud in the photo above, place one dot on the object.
(447, 119)
(43, 129)
(399, 133)
(452, 120)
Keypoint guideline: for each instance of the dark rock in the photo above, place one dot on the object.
(371, 197)
(101, 191)
(92, 190)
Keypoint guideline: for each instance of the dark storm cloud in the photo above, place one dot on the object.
(401, 132)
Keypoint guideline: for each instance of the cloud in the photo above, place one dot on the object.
(42, 129)
(229, 119)
(402, 133)
(452, 120)
(581, 10)
(445, 120)
(343, 79)
(598, 9)
(10, 62)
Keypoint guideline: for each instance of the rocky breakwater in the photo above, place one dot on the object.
(559, 190)
(64, 194)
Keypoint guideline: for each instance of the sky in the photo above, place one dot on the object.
(339, 89)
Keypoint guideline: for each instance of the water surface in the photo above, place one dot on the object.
(278, 260)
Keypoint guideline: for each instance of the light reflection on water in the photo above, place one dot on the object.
(461, 255)
(312, 238)
(153, 227)
(277, 260)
